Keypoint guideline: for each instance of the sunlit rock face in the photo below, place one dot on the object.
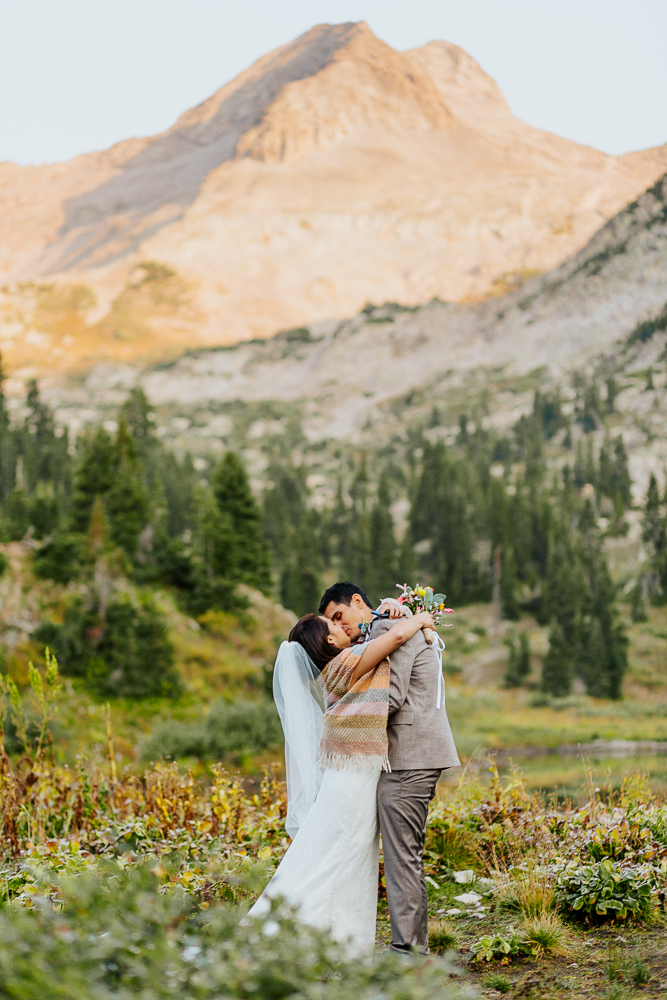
(333, 172)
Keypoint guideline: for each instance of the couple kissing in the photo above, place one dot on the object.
(366, 739)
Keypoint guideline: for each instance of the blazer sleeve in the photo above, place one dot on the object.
(401, 662)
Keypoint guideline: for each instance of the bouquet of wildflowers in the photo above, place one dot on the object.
(424, 599)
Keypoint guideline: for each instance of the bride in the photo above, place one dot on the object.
(333, 700)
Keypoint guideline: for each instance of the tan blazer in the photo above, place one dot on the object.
(419, 733)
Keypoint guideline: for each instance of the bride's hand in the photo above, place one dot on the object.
(425, 620)
(391, 610)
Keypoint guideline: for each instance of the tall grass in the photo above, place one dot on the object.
(529, 894)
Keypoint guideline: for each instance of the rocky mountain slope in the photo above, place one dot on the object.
(332, 172)
(368, 378)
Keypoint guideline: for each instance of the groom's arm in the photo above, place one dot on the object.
(401, 661)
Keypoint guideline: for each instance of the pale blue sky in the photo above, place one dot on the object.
(78, 75)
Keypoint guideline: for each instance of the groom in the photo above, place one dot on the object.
(420, 747)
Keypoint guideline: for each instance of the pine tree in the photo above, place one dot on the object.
(93, 475)
(44, 510)
(17, 514)
(178, 480)
(508, 583)
(511, 677)
(248, 559)
(518, 662)
(564, 586)
(126, 501)
(612, 392)
(43, 447)
(637, 604)
(7, 458)
(443, 514)
(341, 530)
(299, 580)
(520, 533)
(620, 476)
(383, 578)
(605, 472)
(138, 416)
(590, 470)
(292, 532)
(97, 541)
(208, 573)
(654, 534)
(580, 465)
(523, 657)
(603, 659)
(557, 666)
(653, 522)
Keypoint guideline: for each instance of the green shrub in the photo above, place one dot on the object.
(606, 891)
(537, 938)
(229, 731)
(116, 936)
(59, 558)
(123, 652)
(4, 563)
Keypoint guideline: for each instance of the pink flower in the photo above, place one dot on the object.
(448, 611)
(400, 600)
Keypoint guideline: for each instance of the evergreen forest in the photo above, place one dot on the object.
(491, 518)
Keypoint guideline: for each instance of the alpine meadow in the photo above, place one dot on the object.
(208, 416)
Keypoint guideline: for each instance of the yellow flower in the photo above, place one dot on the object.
(421, 592)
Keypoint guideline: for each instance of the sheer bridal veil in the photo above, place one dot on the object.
(300, 703)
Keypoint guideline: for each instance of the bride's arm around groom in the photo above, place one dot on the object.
(420, 748)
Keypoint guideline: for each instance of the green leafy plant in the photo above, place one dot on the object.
(491, 947)
(46, 690)
(606, 891)
(113, 934)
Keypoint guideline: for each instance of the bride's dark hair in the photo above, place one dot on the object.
(312, 633)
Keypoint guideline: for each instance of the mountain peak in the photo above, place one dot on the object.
(309, 93)
(332, 172)
(465, 87)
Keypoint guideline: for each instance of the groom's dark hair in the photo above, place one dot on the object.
(342, 593)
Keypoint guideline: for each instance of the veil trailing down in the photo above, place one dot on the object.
(330, 871)
(300, 703)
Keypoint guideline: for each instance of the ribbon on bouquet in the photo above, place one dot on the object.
(438, 649)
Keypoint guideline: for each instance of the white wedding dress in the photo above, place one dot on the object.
(330, 871)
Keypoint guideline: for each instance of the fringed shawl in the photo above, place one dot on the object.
(354, 731)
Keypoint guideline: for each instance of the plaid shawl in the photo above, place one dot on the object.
(354, 731)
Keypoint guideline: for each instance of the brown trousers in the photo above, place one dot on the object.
(403, 801)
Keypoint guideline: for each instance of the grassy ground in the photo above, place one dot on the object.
(220, 657)
(225, 656)
(519, 723)
(607, 963)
